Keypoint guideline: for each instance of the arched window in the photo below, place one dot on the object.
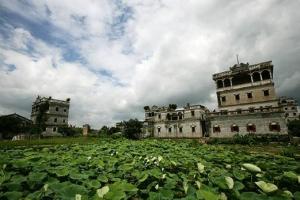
(274, 126)
(216, 129)
(265, 75)
(251, 128)
(220, 83)
(256, 77)
(168, 116)
(158, 129)
(234, 128)
(227, 83)
(179, 115)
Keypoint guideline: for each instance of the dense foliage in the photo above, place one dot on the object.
(294, 128)
(10, 126)
(148, 169)
(132, 129)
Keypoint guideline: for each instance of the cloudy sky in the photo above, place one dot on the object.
(112, 57)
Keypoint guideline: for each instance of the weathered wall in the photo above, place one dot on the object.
(261, 121)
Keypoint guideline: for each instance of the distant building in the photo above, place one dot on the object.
(13, 124)
(290, 107)
(85, 129)
(247, 103)
(56, 113)
(165, 122)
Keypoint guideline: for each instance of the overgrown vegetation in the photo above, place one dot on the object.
(132, 129)
(148, 169)
(294, 128)
(10, 126)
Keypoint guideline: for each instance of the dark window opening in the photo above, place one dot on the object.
(180, 129)
(249, 95)
(65, 110)
(170, 130)
(274, 127)
(224, 112)
(251, 128)
(168, 116)
(159, 116)
(295, 114)
(216, 129)
(239, 111)
(223, 99)
(234, 128)
(226, 83)
(54, 129)
(64, 121)
(193, 129)
(193, 113)
(158, 129)
(56, 109)
(266, 93)
(241, 79)
(293, 108)
(180, 115)
(256, 77)
(265, 75)
(237, 97)
(251, 110)
(285, 108)
(220, 83)
(55, 119)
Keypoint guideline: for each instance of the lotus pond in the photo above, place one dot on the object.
(147, 169)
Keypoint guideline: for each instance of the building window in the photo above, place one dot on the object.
(193, 113)
(223, 99)
(234, 128)
(56, 109)
(158, 129)
(180, 129)
(170, 130)
(251, 110)
(274, 127)
(285, 108)
(193, 129)
(159, 116)
(239, 111)
(64, 121)
(293, 108)
(224, 112)
(266, 93)
(295, 114)
(65, 110)
(55, 119)
(54, 129)
(216, 129)
(249, 95)
(237, 97)
(251, 128)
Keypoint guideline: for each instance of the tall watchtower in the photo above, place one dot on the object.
(246, 87)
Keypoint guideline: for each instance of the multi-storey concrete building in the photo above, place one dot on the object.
(56, 113)
(166, 122)
(290, 107)
(247, 103)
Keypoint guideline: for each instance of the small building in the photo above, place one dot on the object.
(13, 124)
(166, 122)
(85, 129)
(53, 113)
(290, 108)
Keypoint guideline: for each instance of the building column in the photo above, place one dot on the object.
(260, 76)
(230, 82)
(223, 83)
(251, 78)
(270, 74)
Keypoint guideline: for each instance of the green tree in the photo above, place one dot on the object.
(113, 130)
(10, 126)
(133, 129)
(294, 128)
(104, 130)
(172, 106)
(41, 118)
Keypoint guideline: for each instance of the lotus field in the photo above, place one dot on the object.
(147, 169)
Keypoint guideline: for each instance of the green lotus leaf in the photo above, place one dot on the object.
(37, 176)
(266, 187)
(251, 167)
(14, 195)
(200, 167)
(207, 195)
(253, 196)
(229, 182)
(102, 191)
(291, 175)
(93, 183)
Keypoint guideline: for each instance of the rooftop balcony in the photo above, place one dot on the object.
(246, 112)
